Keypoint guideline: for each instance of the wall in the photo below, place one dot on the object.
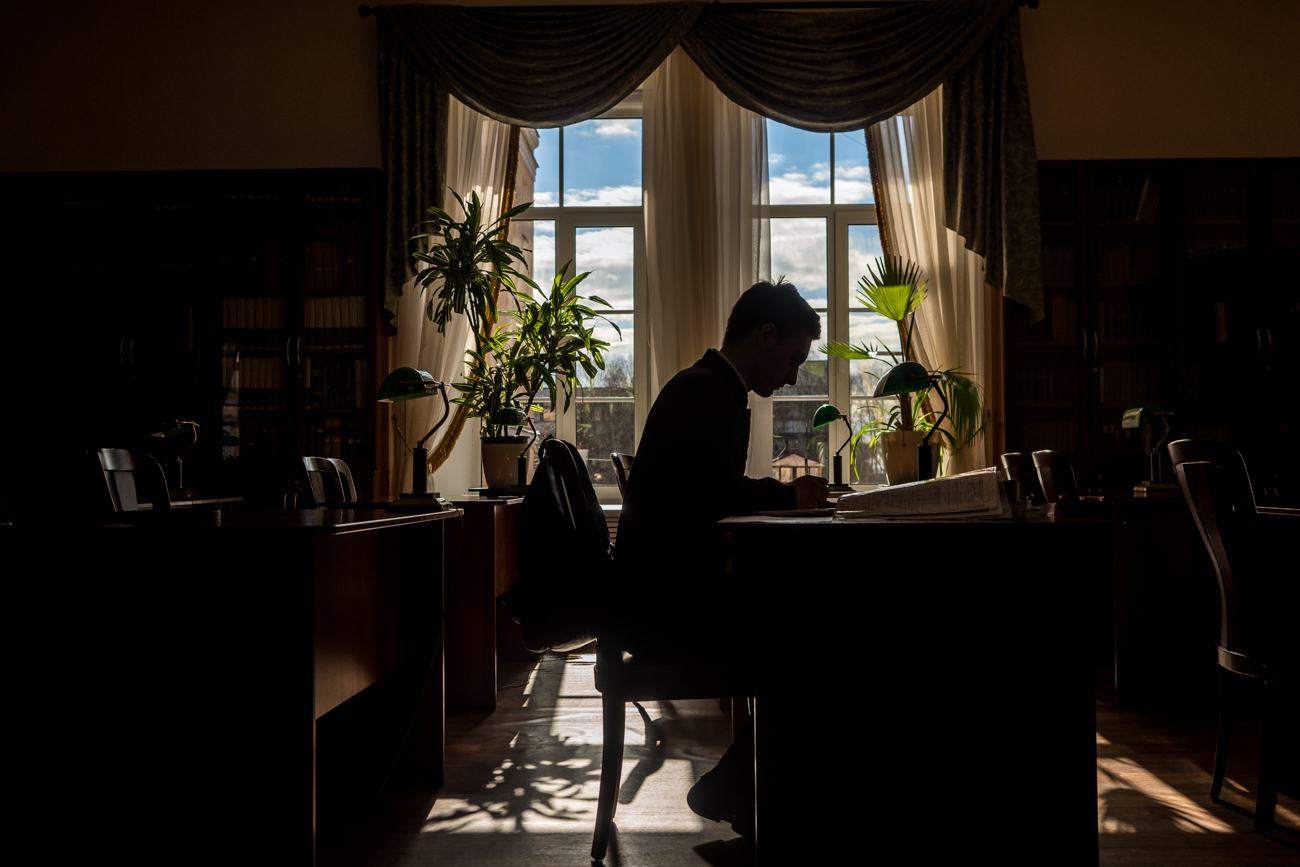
(291, 83)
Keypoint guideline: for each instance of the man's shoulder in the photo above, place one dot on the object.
(706, 374)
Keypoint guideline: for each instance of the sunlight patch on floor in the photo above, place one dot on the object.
(1122, 773)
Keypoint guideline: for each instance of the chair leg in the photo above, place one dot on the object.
(1266, 800)
(611, 772)
(1225, 726)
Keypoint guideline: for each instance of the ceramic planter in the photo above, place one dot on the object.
(899, 449)
(504, 461)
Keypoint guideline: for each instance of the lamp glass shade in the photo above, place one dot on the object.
(903, 378)
(1137, 416)
(826, 413)
(407, 383)
(510, 415)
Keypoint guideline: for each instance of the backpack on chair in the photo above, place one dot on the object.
(564, 553)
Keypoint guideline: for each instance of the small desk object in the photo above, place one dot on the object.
(914, 672)
(239, 674)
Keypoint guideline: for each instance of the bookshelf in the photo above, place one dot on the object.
(1169, 282)
(248, 301)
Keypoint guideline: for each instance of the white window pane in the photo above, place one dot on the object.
(852, 170)
(870, 465)
(602, 162)
(604, 428)
(799, 254)
(616, 379)
(864, 249)
(812, 373)
(798, 449)
(798, 166)
(608, 253)
(873, 331)
(546, 186)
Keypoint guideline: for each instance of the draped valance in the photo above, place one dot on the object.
(821, 71)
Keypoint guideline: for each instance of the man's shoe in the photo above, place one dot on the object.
(709, 799)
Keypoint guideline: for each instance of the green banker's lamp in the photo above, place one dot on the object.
(407, 383)
(907, 378)
(1137, 417)
(828, 414)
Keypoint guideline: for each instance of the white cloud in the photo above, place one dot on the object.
(612, 128)
(626, 194)
(544, 200)
(799, 252)
(607, 253)
(795, 188)
(853, 192)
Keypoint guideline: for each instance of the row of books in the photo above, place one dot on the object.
(334, 213)
(252, 382)
(334, 437)
(1029, 435)
(1128, 265)
(253, 323)
(1125, 320)
(1216, 196)
(334, 383)
(1060, 265)
(1128, 383)
(334, 322)
(328, 267)
(1127, 199)
(1036, 384)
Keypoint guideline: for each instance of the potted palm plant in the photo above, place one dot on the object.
(893, 289)
(552, 340)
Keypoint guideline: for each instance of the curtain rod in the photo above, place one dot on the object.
(366, 11)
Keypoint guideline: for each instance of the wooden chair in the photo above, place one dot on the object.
(1223, 507)
(622, 469)
(1021, 470)
(320, 484)
(1057, 478)
(347, 486)
(133, 478)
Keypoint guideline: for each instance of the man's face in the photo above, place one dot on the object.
(781, 359)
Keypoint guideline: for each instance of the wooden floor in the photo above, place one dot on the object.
(522, 782)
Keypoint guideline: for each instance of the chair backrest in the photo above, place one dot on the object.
(622, 469)
(557, 600)
(133, 478)
(1227, 459)
(320, 483)
(1228, 534)
(1021, 469)
(1056, 476)
(346, 485)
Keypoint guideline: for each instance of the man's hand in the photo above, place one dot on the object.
(811, 492)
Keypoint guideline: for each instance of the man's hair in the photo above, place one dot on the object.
(778, 303)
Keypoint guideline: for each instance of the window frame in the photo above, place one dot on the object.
(568, 219)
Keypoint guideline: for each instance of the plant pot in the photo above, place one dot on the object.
(900, 450)
(502, 467)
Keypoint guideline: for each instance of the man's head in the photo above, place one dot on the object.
(769, 334)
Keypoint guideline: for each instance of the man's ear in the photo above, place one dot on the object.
(767, 335)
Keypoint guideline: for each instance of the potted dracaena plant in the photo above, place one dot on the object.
(893, 289)
(550, 344)
(474, 260)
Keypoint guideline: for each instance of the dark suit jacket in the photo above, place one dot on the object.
(689, 473)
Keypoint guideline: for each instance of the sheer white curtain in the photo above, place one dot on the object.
(706, 239)
(477, 148)
(950, 325)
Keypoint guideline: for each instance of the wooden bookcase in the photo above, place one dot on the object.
(248, 301)
(1167, 281)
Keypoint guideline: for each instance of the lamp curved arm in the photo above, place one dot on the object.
(934, 385)
(446, 411)
(532, 428)
(846, 439)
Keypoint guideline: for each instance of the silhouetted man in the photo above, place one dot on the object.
(677, 599)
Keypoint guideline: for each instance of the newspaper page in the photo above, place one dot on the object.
(977, 494)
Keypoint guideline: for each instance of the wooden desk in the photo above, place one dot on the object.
(198, 646)
(874, 636)
(483, 565)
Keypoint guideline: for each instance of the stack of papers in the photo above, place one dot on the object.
(977, 494)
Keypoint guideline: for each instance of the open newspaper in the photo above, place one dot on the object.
(977, 494)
